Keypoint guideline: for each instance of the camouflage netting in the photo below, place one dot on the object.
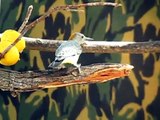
(136, 97)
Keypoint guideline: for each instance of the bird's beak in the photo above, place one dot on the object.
(88, 38)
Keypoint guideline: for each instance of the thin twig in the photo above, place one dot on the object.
(22, 28)
(28, 14)
(50, 11)
(67, 7)
(11, 45)
(75, 10)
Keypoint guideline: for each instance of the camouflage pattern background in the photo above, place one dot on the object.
(136, 97)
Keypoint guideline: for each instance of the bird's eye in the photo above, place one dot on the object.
(82, 36)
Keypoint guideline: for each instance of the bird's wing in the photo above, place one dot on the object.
(70, 48)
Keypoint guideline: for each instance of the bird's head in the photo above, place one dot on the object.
(79, 37)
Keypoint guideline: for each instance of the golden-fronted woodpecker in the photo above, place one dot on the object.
(67, 54)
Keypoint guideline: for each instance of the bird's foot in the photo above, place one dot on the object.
(79, 68)
(76, 71)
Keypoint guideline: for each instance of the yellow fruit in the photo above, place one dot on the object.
(11, 57)
(11, 36)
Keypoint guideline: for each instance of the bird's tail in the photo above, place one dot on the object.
(54, 65)
(51, 65)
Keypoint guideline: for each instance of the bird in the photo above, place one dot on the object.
(68, 53)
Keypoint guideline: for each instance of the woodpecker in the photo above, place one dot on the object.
(68, 53)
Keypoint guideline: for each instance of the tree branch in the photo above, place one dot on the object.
(70, 7)
(48, 13)
(22, 30)
(96, 46)
(28, 14)
(29, 81)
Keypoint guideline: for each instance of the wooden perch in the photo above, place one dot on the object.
(96, 46)
(31, 80)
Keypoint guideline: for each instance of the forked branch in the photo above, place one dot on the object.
(48, 13)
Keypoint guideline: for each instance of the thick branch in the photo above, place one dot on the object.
(29, 81)
(96, 46)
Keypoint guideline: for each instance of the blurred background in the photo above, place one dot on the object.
(136, 97)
